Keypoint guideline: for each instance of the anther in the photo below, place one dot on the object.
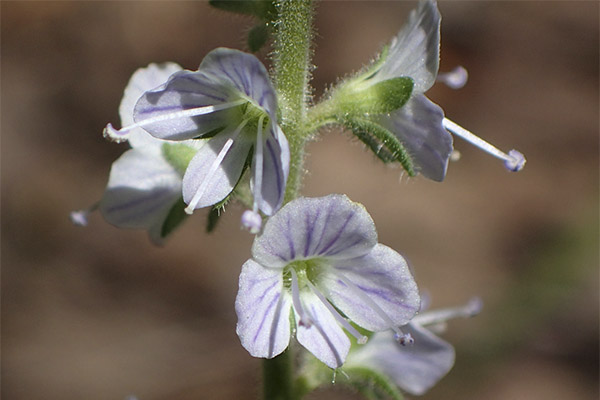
(513, 161)
(80, 217)
(405, 339)
(252, 221)
(455, 79)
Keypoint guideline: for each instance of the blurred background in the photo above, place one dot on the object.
(100, 313)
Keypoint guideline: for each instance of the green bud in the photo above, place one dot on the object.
(178, 155)
(358, 98)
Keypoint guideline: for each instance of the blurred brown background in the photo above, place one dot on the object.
(99, 313)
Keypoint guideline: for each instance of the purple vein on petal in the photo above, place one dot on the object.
(338, 234)
(264, 317)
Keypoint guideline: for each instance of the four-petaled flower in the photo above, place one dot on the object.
(320, 258)
(418, 367)
(143, 186)
(231, 102)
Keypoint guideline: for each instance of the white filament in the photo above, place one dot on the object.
(213, 169)
(120, 134)
(305, 320)
(514, 160)
(258, 165)
(361, 339)
(472, 308)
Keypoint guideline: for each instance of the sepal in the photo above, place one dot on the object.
(258, 36)
(175, 217)
(359, 98)
(372, 384)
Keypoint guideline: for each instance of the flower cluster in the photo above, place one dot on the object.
(317, 272)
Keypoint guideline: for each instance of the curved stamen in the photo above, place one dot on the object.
(472, 308)
(305, 319)
(513, 161)
(399, 335)
(361, 339)
(258, 165)
(455, 79)
(121, 134)
(213, 168)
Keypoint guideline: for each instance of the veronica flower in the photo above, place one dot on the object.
(420, 124)
(416, 368)
(144, 185)
(231, 102)
(318, 260)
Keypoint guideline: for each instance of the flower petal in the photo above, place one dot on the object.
(186, 90)
(143, 80)
(324, 338)
(384, 277)
(415, 368)
(263, 310)
(141, 191)
(227, 173)
(415, 51)
(276, 161)
(332, 226)
(418, 125)
(245, 73)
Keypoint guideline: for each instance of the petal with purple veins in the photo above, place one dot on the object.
(382, 277)
(330, 227)
(415, 368)
(418, 126)
(324, 338)
(263, 310)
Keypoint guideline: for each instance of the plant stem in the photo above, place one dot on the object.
(291, 67)
(291, 59)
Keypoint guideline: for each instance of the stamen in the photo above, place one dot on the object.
(80, 217)
(213, 168)
(472, 308)
(120, 135)
(360, 338)
(399, 335)
(455, 79)
(513, 161)
(404, 339)
(305, 320)
(258, 165)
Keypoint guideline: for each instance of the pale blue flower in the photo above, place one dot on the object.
(420, 124)
(231, 102)
(143, 186)
(418, 367)
(318, 260)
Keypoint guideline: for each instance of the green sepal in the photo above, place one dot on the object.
(381, 141)
(257, 37)
(175, 217)
(372, 384)
(358, 98)
(178, 155)
(263, 9)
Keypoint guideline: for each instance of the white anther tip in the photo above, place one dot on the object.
(405, 339)
(115, 135)
(79, 218)
(362, 340)
(474, 306)
(515, 162)
(252, 221)
(455, 79)
(189, 210)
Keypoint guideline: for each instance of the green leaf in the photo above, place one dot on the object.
(381, 141)
(257, 37)
(372, 384)
(263, 9)
(175, 217)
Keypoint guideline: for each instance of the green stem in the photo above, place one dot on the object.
(291, 60)
(291, 67)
